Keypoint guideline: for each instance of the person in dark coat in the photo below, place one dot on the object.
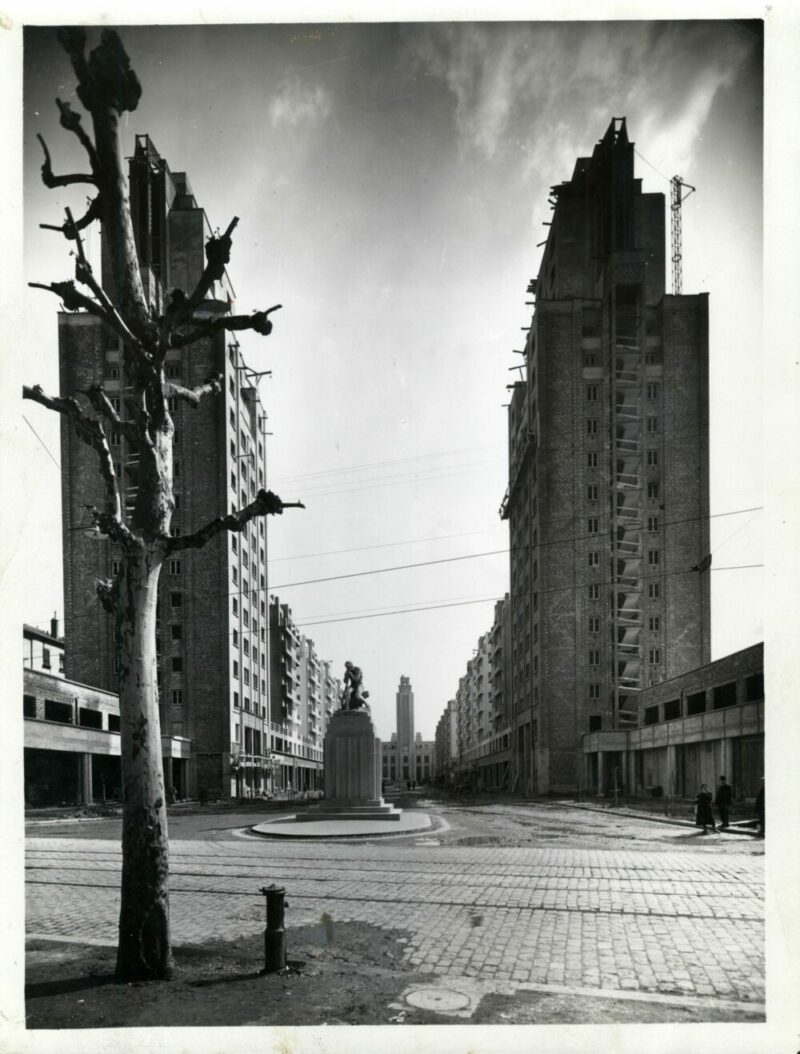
(724, 799)
(704, 816)
(760, 809)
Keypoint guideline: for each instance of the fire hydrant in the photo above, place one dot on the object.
(274, 934)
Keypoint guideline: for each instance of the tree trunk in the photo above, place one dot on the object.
(144, 951)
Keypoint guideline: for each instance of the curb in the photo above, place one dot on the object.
(654, 818)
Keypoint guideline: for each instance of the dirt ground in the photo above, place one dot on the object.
(348, 976)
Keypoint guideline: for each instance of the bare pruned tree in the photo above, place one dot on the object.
(107, 88)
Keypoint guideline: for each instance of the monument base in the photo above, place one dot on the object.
(352, 766)
(353, 809)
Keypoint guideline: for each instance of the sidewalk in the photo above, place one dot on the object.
(681, 812)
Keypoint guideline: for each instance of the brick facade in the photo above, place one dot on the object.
(608, 473)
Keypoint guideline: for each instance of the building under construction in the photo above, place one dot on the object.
(608, 495)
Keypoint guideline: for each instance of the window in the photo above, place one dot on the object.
(235, 668)
(46, 658)
(236, 700)
(592, 492)
(652, 491)
(174, 566)
(591, 459)
(56, 711)
(235, 606)
(652, 391)
(594, 690)
(591, 393)
(113, 373)
(594, 656)
(177, 696)
(652, 425)
(654, 590)
(246, 646)
(654, 557)
(595, 722)
(236, 638)
(725, 695)
(90, 719)
(594, 559)
(172, 404)
(176, 600)
(652, 459)
(173, 371)
(246, 673)
(115, 403)
(651, 715)
(235, 575)
(114, 437)
(653, 525)
(672, 709)
(754, 687)
(655, 623)
(591, 426)
(175, 631)
(594, 592)
(245, 617)
(593, 525)
(232, 386)
(655, 657)
(177, 664)
(594, 625)
(113, 722)
(232, 417)
(233, 449)
(29, 706)
(696, 704)
(177, 501)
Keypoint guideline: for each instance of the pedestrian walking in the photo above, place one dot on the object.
(704, 816)
(723, 800)
(760, 810)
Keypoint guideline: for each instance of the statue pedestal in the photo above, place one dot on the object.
(352, 772)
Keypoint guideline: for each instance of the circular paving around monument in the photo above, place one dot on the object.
(410, 822)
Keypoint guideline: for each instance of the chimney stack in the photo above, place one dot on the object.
(54, 626)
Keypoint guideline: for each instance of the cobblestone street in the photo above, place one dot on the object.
(617, 922)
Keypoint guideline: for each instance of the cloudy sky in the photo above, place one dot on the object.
(391, 182)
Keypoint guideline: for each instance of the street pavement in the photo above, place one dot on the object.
(617, 922)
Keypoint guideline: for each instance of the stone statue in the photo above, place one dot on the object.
(353, 697)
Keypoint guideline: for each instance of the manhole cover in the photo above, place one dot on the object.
(443, 999)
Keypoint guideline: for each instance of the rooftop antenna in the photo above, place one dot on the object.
(678, 197)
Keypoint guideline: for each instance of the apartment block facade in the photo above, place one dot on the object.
(608, 494)
(304, 692)
(473, 736)
(213, 604)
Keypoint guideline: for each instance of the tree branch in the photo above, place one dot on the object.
(102, 404)
(85, 275)
(213, 386)
(72, 122)
(265, 504)
(92, 433)
(107, 590)
(218, 253)
(53, 181)
(70, 230)
(259, 322)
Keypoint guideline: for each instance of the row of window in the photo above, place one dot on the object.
(593, 391)
(652, 424)
(653, 656)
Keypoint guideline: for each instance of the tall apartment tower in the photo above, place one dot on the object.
(213, 613)
(608, 496)
(405, 729)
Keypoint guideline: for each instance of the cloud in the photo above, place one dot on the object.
(542, 93)
(296, 102)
